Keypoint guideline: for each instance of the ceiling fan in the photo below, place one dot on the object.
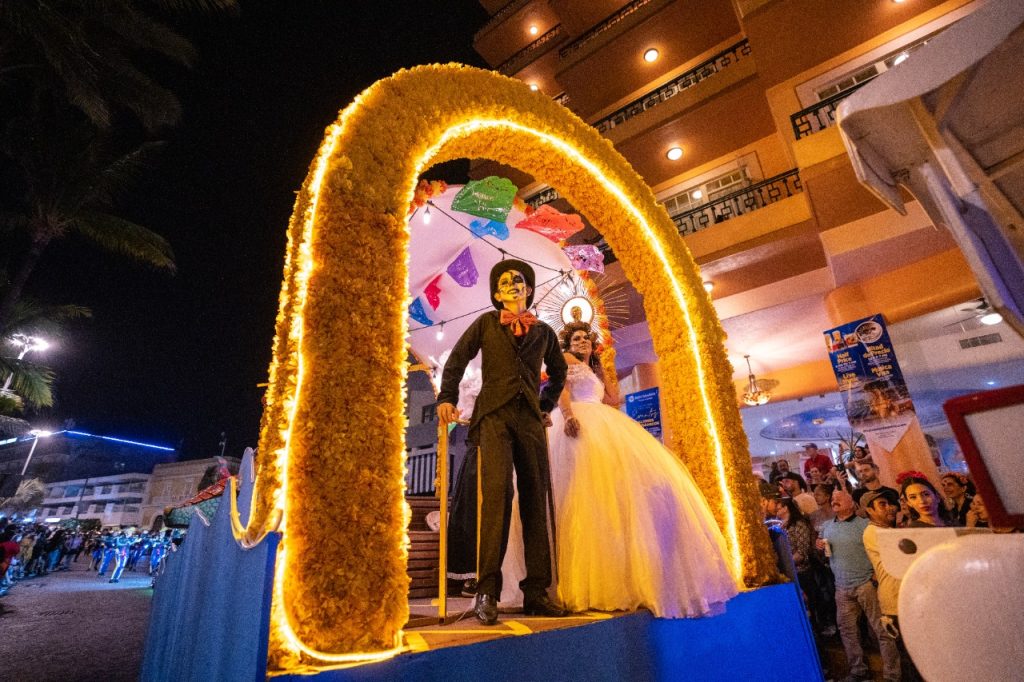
(980, 312)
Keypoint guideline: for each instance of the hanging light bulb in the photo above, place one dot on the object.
(753, 395)
(440, 332)
(426, 216)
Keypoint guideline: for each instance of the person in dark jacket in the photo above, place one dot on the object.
(507, 425)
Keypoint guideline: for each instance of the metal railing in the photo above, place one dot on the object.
(821, 115)
(601, 27)
(545, 196)
(420, 471)
(500, 16)
(738, 203)
(663, 93)
(529, 53)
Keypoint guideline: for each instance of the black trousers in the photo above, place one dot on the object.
(513, 437)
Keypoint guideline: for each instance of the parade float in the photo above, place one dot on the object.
(308, 563)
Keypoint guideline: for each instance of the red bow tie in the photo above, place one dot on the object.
(519, 324)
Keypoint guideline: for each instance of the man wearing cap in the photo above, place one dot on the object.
(508, 426)
(816, 459)
(881, 506)
(842, 540)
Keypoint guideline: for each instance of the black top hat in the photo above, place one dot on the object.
(505, 266)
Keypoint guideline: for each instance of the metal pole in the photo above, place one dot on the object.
(28, 459)
(441, 490)
(7, 383)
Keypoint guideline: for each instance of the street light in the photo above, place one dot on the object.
(28, 344)
(38, 433)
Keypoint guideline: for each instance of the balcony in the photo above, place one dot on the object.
(779, 201)
(599, 28)
(820, 115)
(531, 52)
(739, 203)
(666, 91)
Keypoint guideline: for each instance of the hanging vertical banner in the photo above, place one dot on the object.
(877, 400)
(644, 408)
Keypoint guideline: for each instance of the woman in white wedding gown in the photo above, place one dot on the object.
(632, 528)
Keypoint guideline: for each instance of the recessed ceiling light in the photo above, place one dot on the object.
(764, 420)
(674, 154)
(991, 383)
(651, 55)
(708, 286)
(533, 86)
(900, 58)
(697, 194)
(534, 30)
(991, 318)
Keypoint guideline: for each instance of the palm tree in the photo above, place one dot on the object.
(71, 177)
(30, 382)
(68, 68)
(83, 53)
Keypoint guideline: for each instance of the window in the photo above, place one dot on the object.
(707, 191)
(429, 413)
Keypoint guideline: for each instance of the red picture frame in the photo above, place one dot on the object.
(957, 411)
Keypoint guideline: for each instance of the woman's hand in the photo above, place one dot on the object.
(572, 427)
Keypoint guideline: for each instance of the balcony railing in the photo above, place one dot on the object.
(665, 92)
(526, 55)
(545, 196)
(500, 16)
(420, 470)
(821, 115)
(738, 203)
(601, 27)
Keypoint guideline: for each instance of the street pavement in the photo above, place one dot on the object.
(73, 626)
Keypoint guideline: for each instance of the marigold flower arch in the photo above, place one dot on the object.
(332, 439)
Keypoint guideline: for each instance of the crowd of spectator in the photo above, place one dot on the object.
(832, 526)
(29, 550)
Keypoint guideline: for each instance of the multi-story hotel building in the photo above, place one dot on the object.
(727, 109)
(114, 501)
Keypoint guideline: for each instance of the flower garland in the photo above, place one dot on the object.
(332, 442)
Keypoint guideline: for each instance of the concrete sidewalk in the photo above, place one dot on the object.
(72, 625)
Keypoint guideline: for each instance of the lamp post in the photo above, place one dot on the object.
(27, 343)
(35, 441)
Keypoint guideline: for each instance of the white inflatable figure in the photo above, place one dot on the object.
(961, 608)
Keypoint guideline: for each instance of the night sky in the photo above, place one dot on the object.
(175, 360)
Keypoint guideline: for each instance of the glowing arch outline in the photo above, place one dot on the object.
(286, 393)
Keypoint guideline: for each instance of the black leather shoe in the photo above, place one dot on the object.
(542, 606)
(486, 609)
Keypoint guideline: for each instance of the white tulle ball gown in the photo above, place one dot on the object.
(632, 528)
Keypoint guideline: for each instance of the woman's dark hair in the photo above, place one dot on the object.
(919, 480)
(961, 481)
(565, 337)
(795, 514)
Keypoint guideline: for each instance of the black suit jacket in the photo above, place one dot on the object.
(510, 366)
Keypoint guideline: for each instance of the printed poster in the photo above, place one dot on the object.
(644, 408)
(877, 400)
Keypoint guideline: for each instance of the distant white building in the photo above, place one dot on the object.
(116, 501)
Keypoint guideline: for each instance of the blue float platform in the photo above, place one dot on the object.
(764, 635)
(211, 614)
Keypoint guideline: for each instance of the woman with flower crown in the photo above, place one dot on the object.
(631, 527)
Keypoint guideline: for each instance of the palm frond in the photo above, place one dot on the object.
(126, 238)
(30, 493)
(30, 381)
